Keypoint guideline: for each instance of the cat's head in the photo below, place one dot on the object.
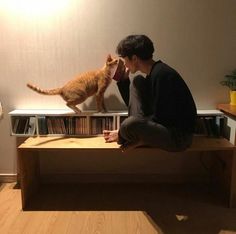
(116, 68)
(111, 62)
(120, 72)
(111, 65)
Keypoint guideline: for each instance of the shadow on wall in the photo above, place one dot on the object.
(112, 103)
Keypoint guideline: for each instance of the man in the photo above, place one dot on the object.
(161, 109)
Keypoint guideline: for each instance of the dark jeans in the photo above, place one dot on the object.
(140, 129)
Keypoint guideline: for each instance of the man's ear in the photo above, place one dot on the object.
(134, 58)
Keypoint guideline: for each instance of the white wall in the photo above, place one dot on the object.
(198, 38)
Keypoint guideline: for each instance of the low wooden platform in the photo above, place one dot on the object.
(30, 166)
(199, 143)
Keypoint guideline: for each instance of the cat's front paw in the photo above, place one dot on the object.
(78, 111)
(103, 111)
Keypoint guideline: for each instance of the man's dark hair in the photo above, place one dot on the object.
(139, 45)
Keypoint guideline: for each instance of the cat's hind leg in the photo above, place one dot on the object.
(75, 100)
(73, 107)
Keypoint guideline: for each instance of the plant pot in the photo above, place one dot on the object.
(232, 98)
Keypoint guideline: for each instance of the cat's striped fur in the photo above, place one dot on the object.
(85, 85)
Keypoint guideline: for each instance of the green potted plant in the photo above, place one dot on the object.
(230, 81)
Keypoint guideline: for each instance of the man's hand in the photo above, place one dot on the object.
(110, 136)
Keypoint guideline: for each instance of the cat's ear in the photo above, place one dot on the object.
(112, 62)
(109, 58)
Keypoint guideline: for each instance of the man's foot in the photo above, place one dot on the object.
(129, 146)
(110, 135)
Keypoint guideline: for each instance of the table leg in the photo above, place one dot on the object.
(29, 174)
(233, 183)
(232, 124)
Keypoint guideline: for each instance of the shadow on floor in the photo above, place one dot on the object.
(204, 208)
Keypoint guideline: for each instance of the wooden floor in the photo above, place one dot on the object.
(117, 209)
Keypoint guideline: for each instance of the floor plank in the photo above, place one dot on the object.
(116, 209)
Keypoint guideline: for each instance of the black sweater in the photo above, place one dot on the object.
(171, 101)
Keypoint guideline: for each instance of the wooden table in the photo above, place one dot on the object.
(227, 108)
(28, 157)
(230, 113)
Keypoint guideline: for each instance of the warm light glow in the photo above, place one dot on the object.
(33, 8)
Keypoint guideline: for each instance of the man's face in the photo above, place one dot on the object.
(131, 64)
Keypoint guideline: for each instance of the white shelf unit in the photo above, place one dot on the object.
(25, 122)
(210, 123)
(33, 122)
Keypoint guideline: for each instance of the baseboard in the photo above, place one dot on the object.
(8, 178)
(123, 178)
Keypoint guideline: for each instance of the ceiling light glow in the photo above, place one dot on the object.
(33, 8)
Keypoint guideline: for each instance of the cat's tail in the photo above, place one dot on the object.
(56, 91)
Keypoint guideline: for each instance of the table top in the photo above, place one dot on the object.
(93, 142)
(227, 108)
(98, 143)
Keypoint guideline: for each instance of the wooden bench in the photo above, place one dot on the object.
(29, 164)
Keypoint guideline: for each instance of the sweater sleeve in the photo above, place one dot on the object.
(123, 87)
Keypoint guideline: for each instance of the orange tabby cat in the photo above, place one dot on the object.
(85, 85)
